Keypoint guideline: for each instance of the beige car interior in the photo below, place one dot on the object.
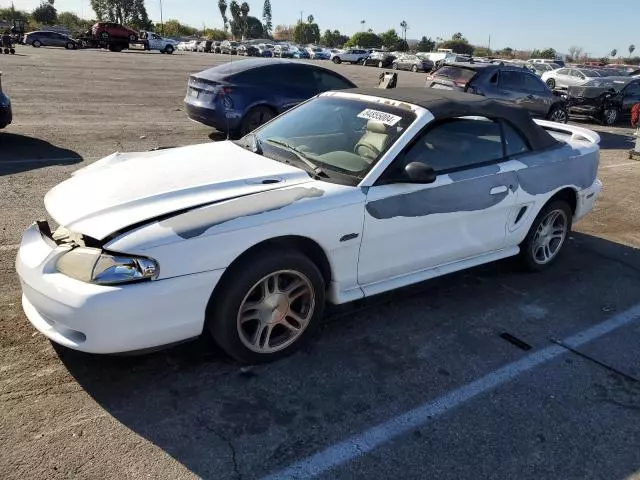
(375, 140)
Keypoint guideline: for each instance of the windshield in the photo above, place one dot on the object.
(318, 50)
(344, 137)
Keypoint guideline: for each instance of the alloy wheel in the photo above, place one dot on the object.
(549, 237)
(559, 115)
(276, 311)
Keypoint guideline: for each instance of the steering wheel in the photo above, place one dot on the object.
(366, 150)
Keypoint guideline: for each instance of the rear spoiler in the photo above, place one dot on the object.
(577, 133)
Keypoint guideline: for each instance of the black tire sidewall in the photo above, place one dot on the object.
(249, 114)
(525, 247)
(605, 119)
(551, 83)
(222, 309)
(36, 43)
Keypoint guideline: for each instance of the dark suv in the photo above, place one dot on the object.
(508, 83)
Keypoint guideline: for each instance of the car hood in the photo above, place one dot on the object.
(126, 189)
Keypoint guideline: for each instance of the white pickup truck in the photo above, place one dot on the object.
(153, 41)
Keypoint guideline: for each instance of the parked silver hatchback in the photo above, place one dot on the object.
(50, 39)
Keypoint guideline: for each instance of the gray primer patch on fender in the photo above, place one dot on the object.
(461, 196)
(195, 222)
(556, 168)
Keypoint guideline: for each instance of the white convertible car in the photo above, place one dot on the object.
(348, 195)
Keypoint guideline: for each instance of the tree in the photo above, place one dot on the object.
(426, 45)
(129, 12)
(266, 17)
(549, 53)
(364, 39)
(575, 52)
(214, 34)
(506, 52)
(458, 46)
(333, 38)
(45, 13)
(482, 52)
(72, 22)
(306, 32)
(457, 36)
(393, 42)
(222, 6)
(404, 26)
(173, 28)
(631, 49)
(283, 32)
(614, 52)
(310, 19)
(236, 22)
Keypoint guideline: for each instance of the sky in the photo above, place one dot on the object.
(595, 25)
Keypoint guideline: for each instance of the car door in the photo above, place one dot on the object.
(630, 96)
(511, 87)
(538, 98)
(562, 78)
(462, 214)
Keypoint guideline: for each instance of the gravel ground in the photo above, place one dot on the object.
(189, 412)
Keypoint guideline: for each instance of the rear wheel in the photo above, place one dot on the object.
(36, 43)
(254, 118)
(395, 66)
(610, 116)
(558, 114)
(547, 236)
(133, 38)
(380, 65)
(337, 60)
(268, 306)
(168, 49)
(551, 83)
(414, 68)
(70, 46)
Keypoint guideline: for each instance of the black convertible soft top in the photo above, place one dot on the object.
(447, 104)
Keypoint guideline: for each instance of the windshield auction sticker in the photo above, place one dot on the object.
(378, 116)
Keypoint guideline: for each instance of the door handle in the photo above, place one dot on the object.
(498, 190)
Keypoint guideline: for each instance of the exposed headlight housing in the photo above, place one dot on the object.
(97, 266)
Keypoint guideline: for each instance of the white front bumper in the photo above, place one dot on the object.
(108, 319)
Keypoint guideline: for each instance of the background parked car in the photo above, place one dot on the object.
(6, 115)
(413, 63)
(50, 39)
(282, 51)
(265, 50)
(379, 59)
(317, 53)
(204, 46)
(239, 96)
(106, 30)
(229, 47)
(181, 46)
(512, 84)
(564, 78)
(607, 100)
(215, 47)
(299, 52)
(248, 50)
(540, 68)
(352, 55)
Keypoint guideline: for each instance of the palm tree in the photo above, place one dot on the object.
(631, 49)
(362, 22)
(404, 26)
(614, 52)
(310, 19)
(244, 10)
(222, 6)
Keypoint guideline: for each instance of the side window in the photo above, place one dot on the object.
(328, 81)
(563, 71)
(515, 143)
(511, 80)
(298, 76)
(534, 84)
(457, 144)
(632, 91)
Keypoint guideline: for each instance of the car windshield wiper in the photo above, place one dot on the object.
(315, 169)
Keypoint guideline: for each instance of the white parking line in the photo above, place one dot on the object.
(374, 437)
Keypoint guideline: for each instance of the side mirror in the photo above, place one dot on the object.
(418, 172)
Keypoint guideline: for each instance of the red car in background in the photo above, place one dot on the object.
(106, 30)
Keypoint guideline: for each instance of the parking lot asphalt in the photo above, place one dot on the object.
(419, 383)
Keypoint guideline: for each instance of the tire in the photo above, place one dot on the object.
(610, 116)
(254, 118)
(532, 251)
(115, 48)
(337, 60)
(558, 113)
(263, 279)
(394, 66)
(168, 49)
(36, 43)
(132, 38)
(70, 46)
(380, 65)
(414, 68)
(551, 83)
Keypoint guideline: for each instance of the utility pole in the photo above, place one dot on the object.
(489, 41)
(301, 12)
(161, 21)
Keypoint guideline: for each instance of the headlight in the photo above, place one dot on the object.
(96, 266)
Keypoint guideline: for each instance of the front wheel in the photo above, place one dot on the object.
(337, 60)
(547, 236)
(268, 306)
(610, 116)
(132, 38)
(36, 43)
(168, 49)
(380, 65)
(70, 46)
(551, 83)
(395, 66)
(558, 114)
(414, 69)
